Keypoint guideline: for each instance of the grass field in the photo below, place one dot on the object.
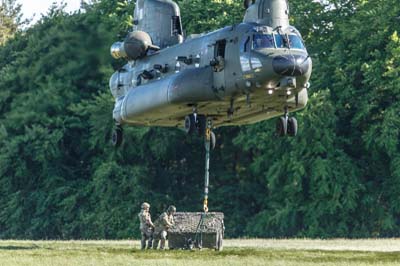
(236, 252)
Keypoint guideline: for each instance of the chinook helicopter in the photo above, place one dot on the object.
(238, 75)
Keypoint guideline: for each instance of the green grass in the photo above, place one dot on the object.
(236, 252)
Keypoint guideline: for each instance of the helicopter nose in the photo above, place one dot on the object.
(291, 65)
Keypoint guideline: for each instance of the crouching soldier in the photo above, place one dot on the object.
(162, 224)
(146, 226)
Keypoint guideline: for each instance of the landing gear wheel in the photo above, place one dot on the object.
(213, 140)
(189, 244)
(281, 126)
(117, 136)
(292, 127)
(190, 124)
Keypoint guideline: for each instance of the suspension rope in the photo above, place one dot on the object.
(207, 142)
(207, 166)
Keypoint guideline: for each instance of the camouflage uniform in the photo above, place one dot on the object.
(161, 226)
(146, 226)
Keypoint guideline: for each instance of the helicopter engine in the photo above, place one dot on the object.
(274, 13)
(135, 46)
(161, 19)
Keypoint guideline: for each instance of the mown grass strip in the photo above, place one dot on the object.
(73, 253)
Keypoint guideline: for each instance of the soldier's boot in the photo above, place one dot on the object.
(143, 243)
(155, 244)
(150, 243)
(162, 245)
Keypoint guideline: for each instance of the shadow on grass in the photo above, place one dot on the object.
(18, 248)
(305, 256)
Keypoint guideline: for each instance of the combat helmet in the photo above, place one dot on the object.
(171, 209)
(145, 205)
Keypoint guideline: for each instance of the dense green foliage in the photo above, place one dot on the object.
(60, 177)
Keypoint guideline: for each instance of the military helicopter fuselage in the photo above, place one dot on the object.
(241, 74)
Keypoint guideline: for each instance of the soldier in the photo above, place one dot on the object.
(146, 226)
(162, 224)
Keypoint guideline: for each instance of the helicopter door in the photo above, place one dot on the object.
(218, 64)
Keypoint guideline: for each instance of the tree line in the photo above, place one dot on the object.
(61, 179)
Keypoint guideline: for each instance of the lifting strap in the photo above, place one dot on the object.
(207, 167)
(198, 238)
(207, 142)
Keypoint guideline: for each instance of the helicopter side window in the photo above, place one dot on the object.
(220, 48)
(176, 26)
(261, 41)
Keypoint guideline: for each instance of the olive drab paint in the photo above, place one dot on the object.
(161, 20)
(240, 74)
(274, 13)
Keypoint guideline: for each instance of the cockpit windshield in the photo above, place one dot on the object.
(261, 41)
(295, 42)
(276, 40)
(289, 41)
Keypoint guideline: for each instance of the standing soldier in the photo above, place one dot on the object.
(162, 224)
(146, 226)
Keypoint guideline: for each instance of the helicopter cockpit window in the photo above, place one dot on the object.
(261, 41)
(296, 42)
(281, 41)
(289, 41)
